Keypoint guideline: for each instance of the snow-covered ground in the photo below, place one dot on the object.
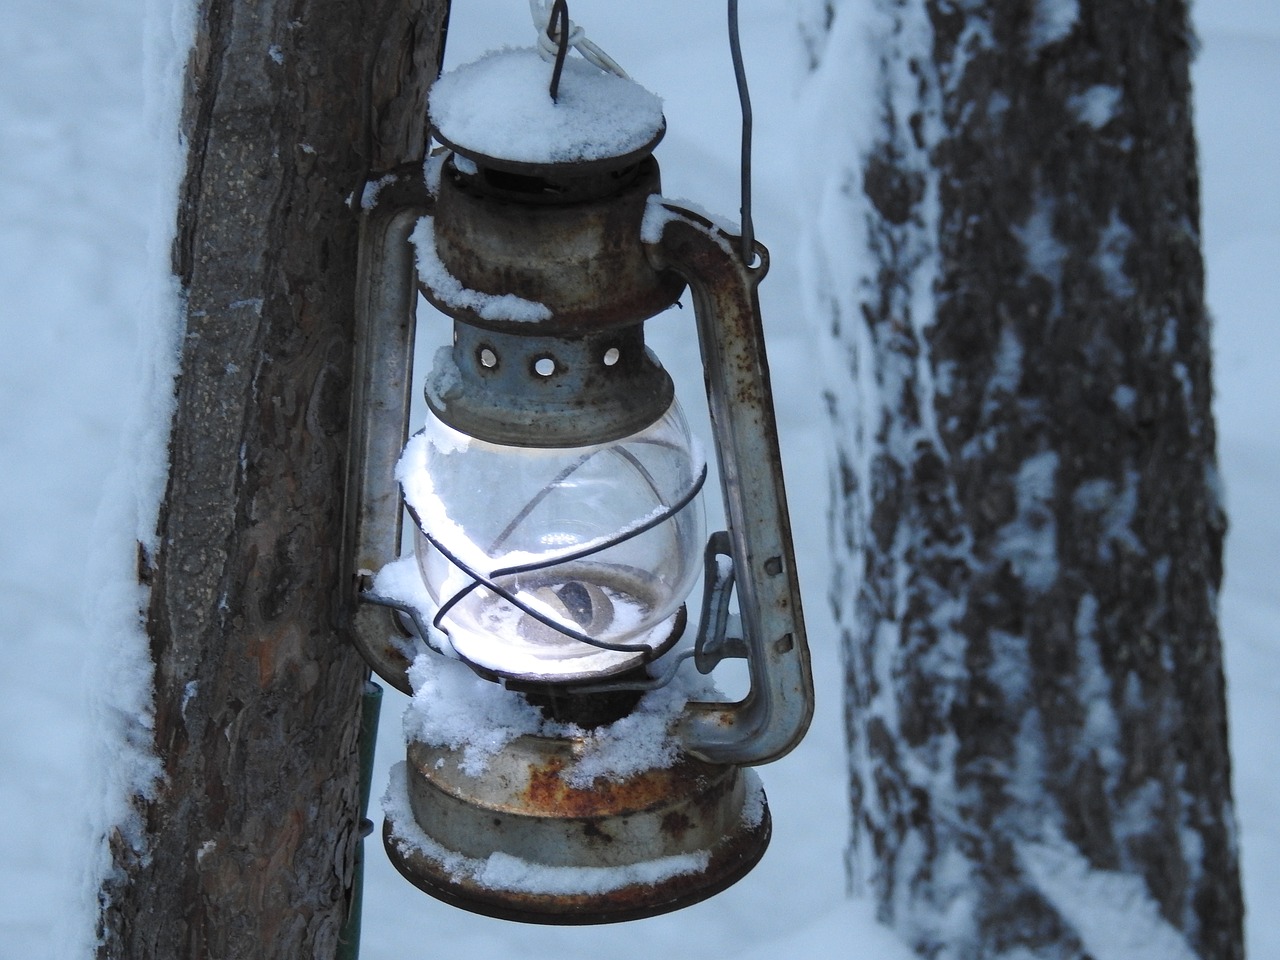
(77, 164)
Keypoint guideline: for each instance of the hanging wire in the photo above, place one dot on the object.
(744, 97)
(560, 17)
(549, 43)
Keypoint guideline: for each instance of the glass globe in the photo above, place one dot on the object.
(557, 564)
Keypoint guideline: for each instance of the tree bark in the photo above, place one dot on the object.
(1028, 524)
(252, 835)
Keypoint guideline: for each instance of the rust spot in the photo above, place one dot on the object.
(547, 792)
(676, 824)
(709, 800)
(590, 829)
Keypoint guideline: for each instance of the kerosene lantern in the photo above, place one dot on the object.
(554, 492)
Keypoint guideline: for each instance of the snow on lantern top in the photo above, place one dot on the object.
(500, 107)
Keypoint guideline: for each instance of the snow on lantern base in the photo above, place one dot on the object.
(556, 824)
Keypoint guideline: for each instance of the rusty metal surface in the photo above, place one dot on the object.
(583, 260)
(590, 171)
(380, 397)
(776, 712)
(732, 860)
(523, 806)
(582, 375)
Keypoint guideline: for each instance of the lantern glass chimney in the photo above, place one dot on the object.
(563, 563)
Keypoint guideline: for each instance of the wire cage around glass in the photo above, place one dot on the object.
(575, 564)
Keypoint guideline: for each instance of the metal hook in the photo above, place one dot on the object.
(559, 17)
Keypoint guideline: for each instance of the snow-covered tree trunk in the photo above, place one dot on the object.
(1028, 527)
(249, 841)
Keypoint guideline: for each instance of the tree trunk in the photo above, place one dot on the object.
(1028, 528)
(252, 836)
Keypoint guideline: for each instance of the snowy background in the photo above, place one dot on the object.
(78, 165)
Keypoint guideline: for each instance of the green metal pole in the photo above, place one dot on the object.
(370, 705)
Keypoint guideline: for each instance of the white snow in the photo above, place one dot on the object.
(454, 708)
(401, 580)
(1096, 106)
(1102, 725)
(117, 667)
(1115, 507)
(658, 213)
(500, 106)
(84, 292)
(369, 196)
(1030, 540)
(1051, 21)
(1116, 917)
(641, 740)
(449, 290)
(1124, 397)
(1112, 250)
(1045, 252)
(1001, 388)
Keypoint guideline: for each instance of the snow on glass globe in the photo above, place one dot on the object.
(557, 564)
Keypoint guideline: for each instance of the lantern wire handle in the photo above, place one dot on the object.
(744, 97)
(560, 17)
(549, 43)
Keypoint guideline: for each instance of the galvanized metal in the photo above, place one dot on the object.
(386, 297)
(570, 243)
(715, 642)
(523, 806)
(548, 391)
(569, 237)
(776, 713)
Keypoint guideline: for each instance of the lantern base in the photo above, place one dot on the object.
(519, 842)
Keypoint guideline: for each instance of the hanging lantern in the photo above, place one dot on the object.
(555, 499)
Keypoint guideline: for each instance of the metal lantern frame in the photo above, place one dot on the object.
(602, 247)
(776, 711)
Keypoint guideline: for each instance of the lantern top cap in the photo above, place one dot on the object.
(498, 112)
